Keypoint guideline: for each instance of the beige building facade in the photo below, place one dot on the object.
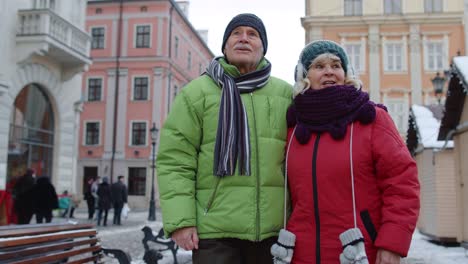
(454, 126)
(395, 46)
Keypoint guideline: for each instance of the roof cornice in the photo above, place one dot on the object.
(404, 19)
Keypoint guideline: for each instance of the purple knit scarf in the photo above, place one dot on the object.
(330, 110)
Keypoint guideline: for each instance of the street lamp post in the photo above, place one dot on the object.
(152, 206)
(438, 82)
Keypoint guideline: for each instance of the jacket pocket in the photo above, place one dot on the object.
(212, 197)
(370, 228)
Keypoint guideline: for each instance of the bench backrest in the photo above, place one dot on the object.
(31, 244)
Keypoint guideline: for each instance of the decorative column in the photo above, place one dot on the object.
(374, 63)
(157, 95)
(415, 58)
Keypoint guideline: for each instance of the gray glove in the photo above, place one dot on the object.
(283, 250)
(354, 251)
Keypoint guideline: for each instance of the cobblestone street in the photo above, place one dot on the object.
(128, 237)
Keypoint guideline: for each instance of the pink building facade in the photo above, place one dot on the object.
(154, 50)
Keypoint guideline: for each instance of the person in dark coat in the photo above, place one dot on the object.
(90, 196)
(45, 199)
(104, 200)
(23, 201)
(119, 197)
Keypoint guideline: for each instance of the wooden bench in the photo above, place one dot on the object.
(54, 243)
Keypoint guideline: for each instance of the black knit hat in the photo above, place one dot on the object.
(248, 20)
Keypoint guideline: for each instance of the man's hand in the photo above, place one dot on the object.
(186, 238)
(387, 257)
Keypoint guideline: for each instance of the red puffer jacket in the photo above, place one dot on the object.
(386, 190)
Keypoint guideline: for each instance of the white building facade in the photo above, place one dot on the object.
(43, 52)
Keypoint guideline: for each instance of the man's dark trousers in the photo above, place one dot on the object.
(117, 212)
(233, 251)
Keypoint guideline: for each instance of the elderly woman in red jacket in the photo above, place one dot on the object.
(353, 184)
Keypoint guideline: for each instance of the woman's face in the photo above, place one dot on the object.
(325, 71)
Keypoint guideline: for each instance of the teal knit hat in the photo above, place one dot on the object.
(316, 48)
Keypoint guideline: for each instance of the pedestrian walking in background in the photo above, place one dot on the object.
(119, 198)
(90, 196)
(353, 184)
(233, 114)
(104, 200)
(45, 199)
(23, 200)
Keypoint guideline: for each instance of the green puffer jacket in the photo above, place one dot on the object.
(244, 207)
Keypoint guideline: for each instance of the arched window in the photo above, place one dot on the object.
(31, 139)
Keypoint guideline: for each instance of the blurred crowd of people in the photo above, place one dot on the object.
(30, 196)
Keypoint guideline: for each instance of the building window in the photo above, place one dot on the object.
(392, 7)
(143, 36)
(97, 34)
(434, 56)
(168, 98)
(433, 6)
(140, 89)
(138, 133)
(189, 61)
(176, 47)
(352, 7)
(92, 133)
(136, 181)
(394, 57)
(94, 89)
(45, 4)
(175, 92)
(31, 139)
(355, 56)
(398, 110)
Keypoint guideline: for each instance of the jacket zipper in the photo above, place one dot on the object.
(257, 217)
(315, 194)
(213, 194)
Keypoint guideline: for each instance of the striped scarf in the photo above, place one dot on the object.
(232, 138)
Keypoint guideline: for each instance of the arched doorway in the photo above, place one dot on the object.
(31, 137)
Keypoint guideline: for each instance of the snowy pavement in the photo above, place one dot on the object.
(424, 252)
(129, 237)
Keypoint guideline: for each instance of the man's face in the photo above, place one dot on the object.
(244, 49)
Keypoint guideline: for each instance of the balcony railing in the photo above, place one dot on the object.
(43, 25)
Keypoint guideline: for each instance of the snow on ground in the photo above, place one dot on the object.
(424, 252)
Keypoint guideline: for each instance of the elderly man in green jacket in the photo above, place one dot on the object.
(221, 154)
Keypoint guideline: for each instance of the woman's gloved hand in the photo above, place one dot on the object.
(283, 250)
(354, 251)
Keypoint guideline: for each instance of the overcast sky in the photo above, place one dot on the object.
(281, 19)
